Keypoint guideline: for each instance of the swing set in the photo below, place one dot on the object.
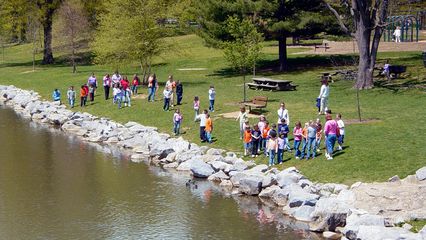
(409, 25)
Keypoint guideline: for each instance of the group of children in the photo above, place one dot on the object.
(272, 140)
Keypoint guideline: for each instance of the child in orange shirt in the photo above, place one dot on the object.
(304, 139)
(247, 140)
(209, 128)
(83, 96)
(265, 133)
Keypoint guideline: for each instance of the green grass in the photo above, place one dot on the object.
(395, 144)
(417, 225)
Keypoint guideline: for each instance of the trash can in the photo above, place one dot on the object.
(424, 58)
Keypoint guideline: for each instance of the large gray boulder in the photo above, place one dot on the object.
(236, 177)
(303, 213)
(185, 166)
(239, 165)
(380, 232)
(219, 165)
(214, 151)
(250, 185)
(218, 177)
(56, 119)
(285, 178)
(421, 174)
(330, 213)
(268, 192)
(360, 218)
(299, 196)
(280, 197)
(201, 169)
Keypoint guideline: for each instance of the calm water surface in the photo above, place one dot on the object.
(53, 186)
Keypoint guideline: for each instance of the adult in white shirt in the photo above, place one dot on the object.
(202, 117)
(397, 34)
(324, 92)
(283, 114)
(116, 78)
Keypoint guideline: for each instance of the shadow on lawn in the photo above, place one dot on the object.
(295, 65)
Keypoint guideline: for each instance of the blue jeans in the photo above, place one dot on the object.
(71, 102)
(134, 89)
(271, 157)
(209, 137)
(151, 94)
(287, 144)
(127, 98)
(176, 128)
(341, 139)
(304, 145)
(296, 148)
(166, 104)
(211, 107)
(280, 155)
(330, 141)
(311, 146)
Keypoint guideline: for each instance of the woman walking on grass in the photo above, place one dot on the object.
(323, 96)
(330, 131)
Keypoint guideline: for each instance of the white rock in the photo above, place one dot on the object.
(201, 169)
(250, 185)
(380, 232)
(303, 213)
(331, 235)
(269, 191)
(421, 174)
(218, 177)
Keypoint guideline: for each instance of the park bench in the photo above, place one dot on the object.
(323, 45)
(257, 102)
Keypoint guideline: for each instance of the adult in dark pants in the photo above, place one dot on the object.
(179, 92)
(107, 85)
(202, 117)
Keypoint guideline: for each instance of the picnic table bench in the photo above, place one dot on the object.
(271, 84)
(323, 45)
(257, 102)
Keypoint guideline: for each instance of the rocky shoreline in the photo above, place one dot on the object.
(360, 211)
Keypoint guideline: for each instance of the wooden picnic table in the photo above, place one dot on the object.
(262, 83)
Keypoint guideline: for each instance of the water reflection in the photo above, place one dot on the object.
(53, 186)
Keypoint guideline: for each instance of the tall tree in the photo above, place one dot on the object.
(243, 50)
(128, 31)
(47, 9)
(277, 19)
(72, 28)
(369, 18)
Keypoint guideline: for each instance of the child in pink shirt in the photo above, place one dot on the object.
(297, 133)
(330, 131)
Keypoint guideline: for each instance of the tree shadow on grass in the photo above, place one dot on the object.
(295, 65)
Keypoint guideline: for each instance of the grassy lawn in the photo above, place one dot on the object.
(393, 144)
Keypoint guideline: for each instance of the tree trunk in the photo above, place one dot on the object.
(282, 49)
(47, 28)
(365, 72)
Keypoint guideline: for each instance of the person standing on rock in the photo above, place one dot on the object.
(324, 93)
(330, 131)
(283, 114)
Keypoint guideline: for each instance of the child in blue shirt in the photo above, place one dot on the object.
(283, 129)
(56, 95)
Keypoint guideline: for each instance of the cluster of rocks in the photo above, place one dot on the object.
(332, 209)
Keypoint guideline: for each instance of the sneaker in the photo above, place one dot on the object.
(281, 163)
(298, 158)
(252, 155)
(326, 155)
(339, 148)
(330, 158)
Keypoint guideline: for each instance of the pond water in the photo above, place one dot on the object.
(53, 186)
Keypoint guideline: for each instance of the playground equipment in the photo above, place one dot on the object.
(409, 25)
